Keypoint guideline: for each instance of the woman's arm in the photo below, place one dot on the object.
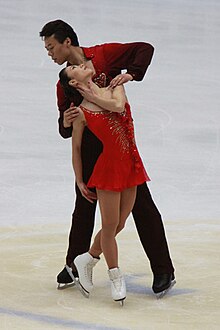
(77, 132)
(116, 103)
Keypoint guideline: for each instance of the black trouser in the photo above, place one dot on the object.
(148, 223)
(146, 216)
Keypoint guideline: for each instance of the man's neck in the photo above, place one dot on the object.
(76, 56)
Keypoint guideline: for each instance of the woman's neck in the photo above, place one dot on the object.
(97, 90)
(93, 86)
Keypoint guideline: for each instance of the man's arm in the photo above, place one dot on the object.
(134, 57)
(71, 112)
(62, 101)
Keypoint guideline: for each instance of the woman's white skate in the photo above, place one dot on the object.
(118, 287)
(84, 264)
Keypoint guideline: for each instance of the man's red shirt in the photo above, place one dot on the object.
(110, 59)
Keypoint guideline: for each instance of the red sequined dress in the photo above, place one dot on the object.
(119, 166)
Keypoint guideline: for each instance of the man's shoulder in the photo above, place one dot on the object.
(92, 50)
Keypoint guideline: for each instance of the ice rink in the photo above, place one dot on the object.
(176, 109)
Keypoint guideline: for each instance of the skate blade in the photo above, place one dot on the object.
(121, 301)
(163, 293)
(81, 289)
(63, 286)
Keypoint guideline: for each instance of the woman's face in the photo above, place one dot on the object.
(79, 72)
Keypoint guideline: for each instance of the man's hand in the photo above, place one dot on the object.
(120, 79)
(86, 193)
(87, 92)
(69, 115)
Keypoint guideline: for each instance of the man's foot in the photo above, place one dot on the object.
(162, 284)
(66, 278)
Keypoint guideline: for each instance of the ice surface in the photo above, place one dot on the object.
(177, 120)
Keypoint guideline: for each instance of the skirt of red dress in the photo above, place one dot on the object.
(117, 175)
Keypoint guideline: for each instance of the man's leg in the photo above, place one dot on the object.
(79, 236)
(82, 227)
(152, 235)
(84, 212)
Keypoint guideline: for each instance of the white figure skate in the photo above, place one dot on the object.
(118, 287)
(84, 264)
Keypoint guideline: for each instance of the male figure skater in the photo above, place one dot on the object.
(107, 61)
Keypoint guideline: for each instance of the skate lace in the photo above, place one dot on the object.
(88, 272)
(117, 284)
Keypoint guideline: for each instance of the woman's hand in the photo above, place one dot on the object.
(70, 115)
(87, 92)
(86, 193)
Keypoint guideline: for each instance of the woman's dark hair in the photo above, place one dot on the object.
(60, 30)
(69, 91)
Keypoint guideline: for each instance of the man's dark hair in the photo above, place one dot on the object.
(60, 30)
(70, 92)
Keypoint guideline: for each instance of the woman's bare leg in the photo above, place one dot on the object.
(127, 201)
(109, 203)
(115, 208)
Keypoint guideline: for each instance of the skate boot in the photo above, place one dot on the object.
(84, 264)
(66, 278)
(118, 286)
(162, 284)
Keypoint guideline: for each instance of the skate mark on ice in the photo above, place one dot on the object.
(133, 286)
(55, 320)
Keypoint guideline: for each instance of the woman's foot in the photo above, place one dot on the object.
(118, 287)
(84, 264)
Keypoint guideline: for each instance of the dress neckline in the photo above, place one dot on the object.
(93, 111)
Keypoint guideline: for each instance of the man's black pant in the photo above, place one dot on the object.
(148, 223)
(145, 213)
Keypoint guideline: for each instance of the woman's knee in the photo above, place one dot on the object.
(120, 227)
(109, 228)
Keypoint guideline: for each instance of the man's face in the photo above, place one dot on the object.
(57, 51)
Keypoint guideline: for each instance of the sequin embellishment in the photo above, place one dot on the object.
(100, 80)
(121, 126)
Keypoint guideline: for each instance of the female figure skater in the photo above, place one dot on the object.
(116, 174)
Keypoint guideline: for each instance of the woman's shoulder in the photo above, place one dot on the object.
(80, 120)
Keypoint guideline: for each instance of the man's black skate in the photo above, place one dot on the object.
(162, 284)
(66, 278)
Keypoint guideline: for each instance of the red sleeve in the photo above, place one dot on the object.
(134, 57)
